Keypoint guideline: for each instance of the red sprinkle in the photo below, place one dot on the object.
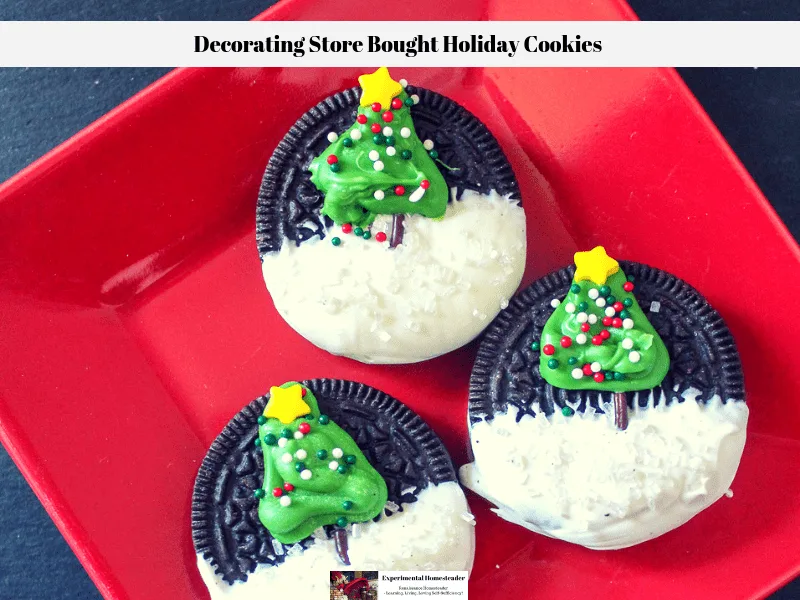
(397, 103)
(606, 321)
(618, 306)
(387, 116)
(277, 492)
(361, 119)
(380, 237)
(304, 428)
(399, 190)
(616, 322)
(425, 184)
(549, 349)
(376, 107)
(599, 377)
(288, 487)
(585, 327)
(346, 228)
(628, 286)
(376, 128)
(605, 334)
(597, 340)
(566, 341)
(332, 158)
(303, 392)
(587, 369)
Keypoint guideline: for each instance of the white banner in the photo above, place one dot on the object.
(422, 585)
(407, 43)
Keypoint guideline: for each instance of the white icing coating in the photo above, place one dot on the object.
(432, 294)
(582, 480)
(430, 534)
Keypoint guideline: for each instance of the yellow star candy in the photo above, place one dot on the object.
(594, 265)
(379, 87)
(286, 404)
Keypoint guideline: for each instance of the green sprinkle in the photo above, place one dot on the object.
(336, 167)
(406, 154)
(535, 346)
(324, 419)
(350, 459)
(624, 314)
(347, 505)
(409, 102)
(342, 469)
(605, 290)
(299, 467)
(258, 442)
(572, 360)
(341, 522)
(322, 454)
(611, 300)
(627, 302)
(567, 411)
(367, 235)
(619, 376)
(259, 493)
(336, 241)
(433, 154)
(270, 440)
(262, 419)
(609, 374)
(358, 231)
(575, 288)
(552, 363)
(582, 306)
(286, 432)
(390, 141)
(347, 142)
(377, 139)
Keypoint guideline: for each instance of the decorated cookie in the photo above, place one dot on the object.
(389, 224)
(606, 405)
(320, 476)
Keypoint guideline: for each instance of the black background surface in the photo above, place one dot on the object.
(757, 110)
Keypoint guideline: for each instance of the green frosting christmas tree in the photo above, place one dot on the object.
(598, 338)
(379, 165)
(314, 473)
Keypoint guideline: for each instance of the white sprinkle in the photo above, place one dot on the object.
(428, 144)
(377, 165)
(301, 454)
(555, 302)
(374, 155)
(468, 517)
(285, 501)
(655, 306)
(387, 131)
(287, 458)
(503, 304)
(729, 494)
(305, 474)
(581, 338)
(355, 134)
(577, 373)
(333, 136)
(355, 532)
(582, 317)
(277, 547)
(391, 150)
(298, 435)
(378, 195)
(634, 356)
(594, 294)
(627, 343)
(391, 506)
(592, 319)
(282, 442)
(601, 302)
(610, 312)
(405, 132)
(569, 307)
(596, 367)
(403, 82)
(337, 453)
(627, 324)
(333, 465)
(415, 98)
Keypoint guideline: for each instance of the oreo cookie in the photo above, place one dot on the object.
(398, 211)
(237, 553)
(598, 460)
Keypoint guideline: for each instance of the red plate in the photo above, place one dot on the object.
(136, 322)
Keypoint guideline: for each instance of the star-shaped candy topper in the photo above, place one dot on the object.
(378, 87)
(594, 265)
(286, 404)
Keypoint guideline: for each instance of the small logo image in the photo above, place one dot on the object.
(354, 585)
